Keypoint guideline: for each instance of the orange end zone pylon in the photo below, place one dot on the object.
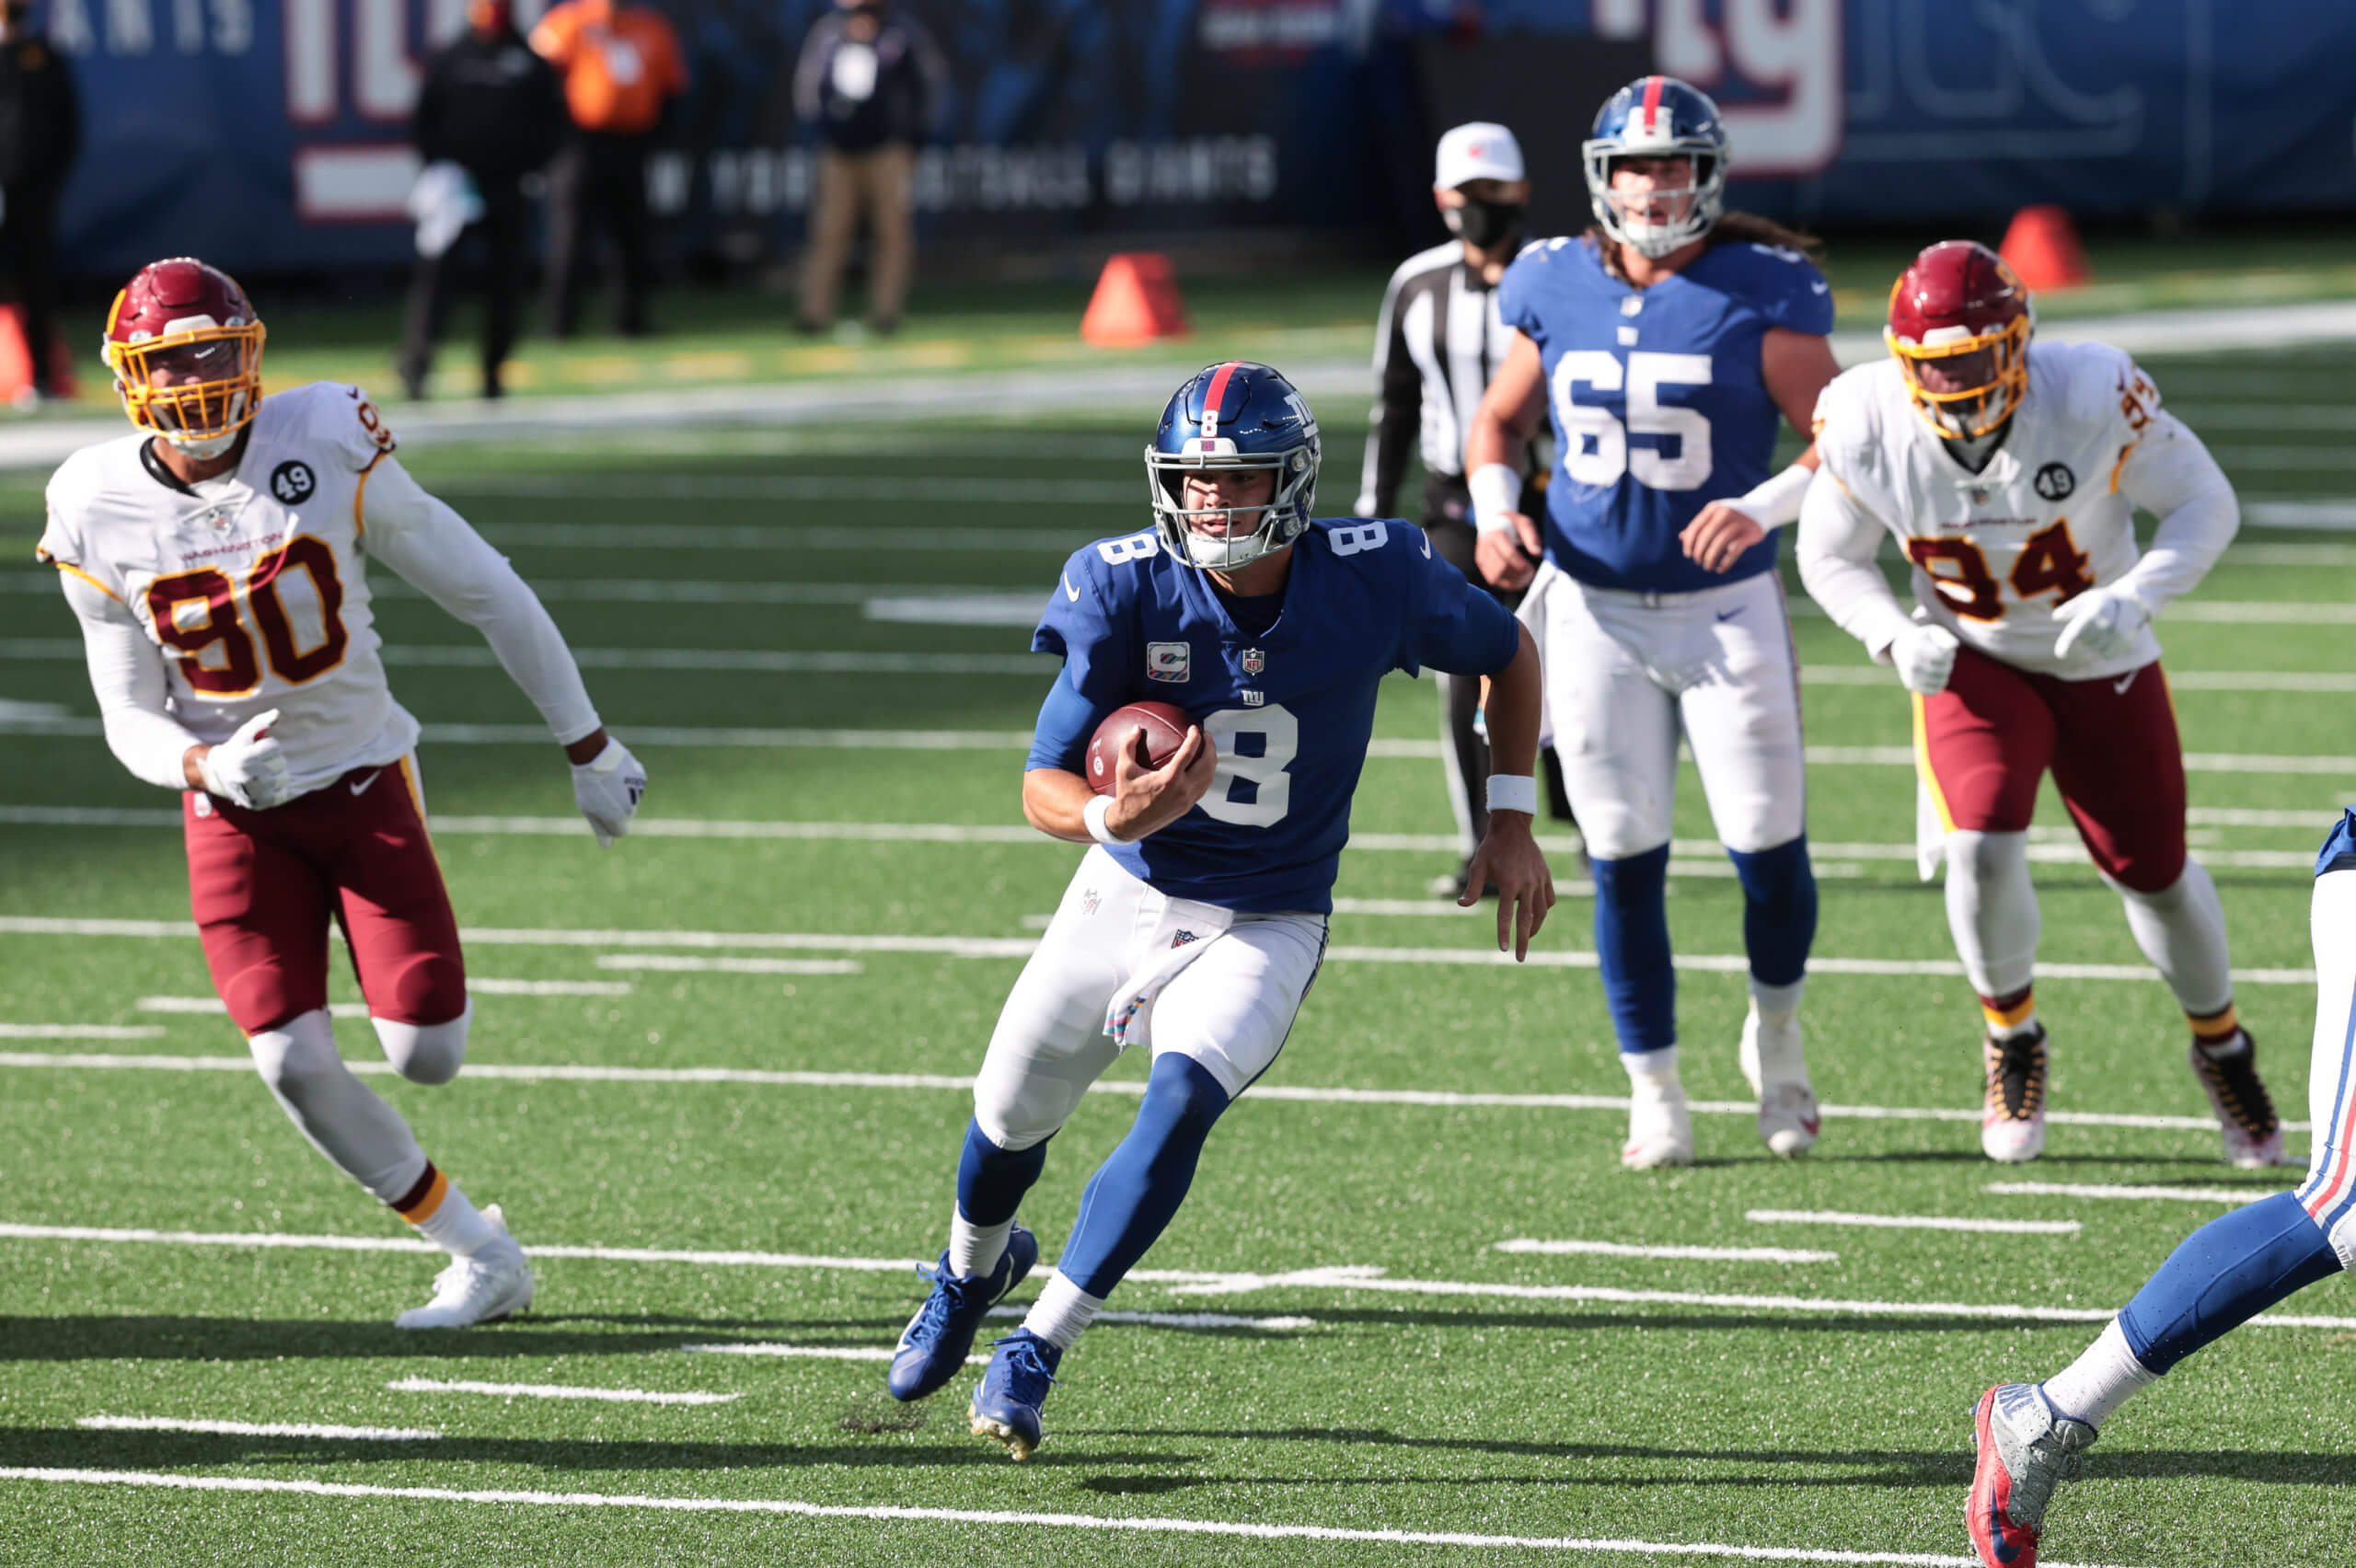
(16, 361)
(1136, 301)
(2042, 246)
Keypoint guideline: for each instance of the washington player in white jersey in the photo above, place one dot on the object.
(2009, 472)
(217, 561)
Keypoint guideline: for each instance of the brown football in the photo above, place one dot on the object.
(1164, 728)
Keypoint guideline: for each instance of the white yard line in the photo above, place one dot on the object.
(259, 1429)
(554, 1391)
(1022, 947)
(1296, 1093)
(1690, 1254)
(80, 1032)
(686, 965)
(2104, 1190)
(996, 1519)
(1181, 1320)
(1916, 1222)
(478, 986)
(1189, 1282)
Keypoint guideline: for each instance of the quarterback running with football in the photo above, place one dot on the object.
(217, 561)
(1197, 921)
(1665, 343)
(2009, 472)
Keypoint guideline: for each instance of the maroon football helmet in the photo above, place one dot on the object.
(185, 347)
(1959, 322)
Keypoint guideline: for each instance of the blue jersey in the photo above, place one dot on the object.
(1290, 709)
(1659, 402)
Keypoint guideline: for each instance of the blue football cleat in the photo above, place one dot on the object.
(1007, 1404)
(934, 1345)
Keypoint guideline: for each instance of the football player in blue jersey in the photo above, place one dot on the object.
(1664, 342)
(1198, 919)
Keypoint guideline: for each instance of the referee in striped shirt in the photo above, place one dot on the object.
(1435, 345)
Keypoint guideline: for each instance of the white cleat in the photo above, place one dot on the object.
(494, 1283)
(2244, 1111)
(1788, 1119)
(2012, 1120)
(1660, 1127)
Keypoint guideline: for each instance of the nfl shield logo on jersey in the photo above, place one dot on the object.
(1167, 660)
(1254, 661)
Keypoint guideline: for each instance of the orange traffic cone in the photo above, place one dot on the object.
(2042, 247)
(17, 360)
(1136, 301)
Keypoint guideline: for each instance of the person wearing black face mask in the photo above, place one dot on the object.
(1437, 343)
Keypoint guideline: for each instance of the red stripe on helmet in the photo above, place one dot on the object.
(1219, 386)
(1652, 104)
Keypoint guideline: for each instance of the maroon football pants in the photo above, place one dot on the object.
(264, 886)
(2111, 742)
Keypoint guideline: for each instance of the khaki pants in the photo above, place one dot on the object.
(879, 183)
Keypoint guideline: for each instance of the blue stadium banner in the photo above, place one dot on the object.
(270, 134)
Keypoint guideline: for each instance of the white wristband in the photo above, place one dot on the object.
(1513, 792)
(1496, 489)
(1774, 502)
(1093, 814)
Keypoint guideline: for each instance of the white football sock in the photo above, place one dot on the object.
(1652, 1073)
(1776, 1004)
(455, 1224)
(2099, 1381)
(1061, 1311)
(1992, 910)
(2182, 930)
(975, 1249)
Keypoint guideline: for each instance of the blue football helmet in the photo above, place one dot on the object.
(1233, 416)
(1657, 117)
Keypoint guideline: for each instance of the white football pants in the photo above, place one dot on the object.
(1229, 1010)
(1627, 672)
(2329, 1191)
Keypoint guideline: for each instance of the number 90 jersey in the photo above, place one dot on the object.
(1290, 709)
(1995, 552)
(251, 585)
(1657, 399)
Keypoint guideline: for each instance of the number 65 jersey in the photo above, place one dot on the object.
(1291, 708)
(2051, 515)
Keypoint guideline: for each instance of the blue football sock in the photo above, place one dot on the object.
(1134, 1193)
(991, 1181)
(1632, 942)
(2225, 1274)
(1778, 910)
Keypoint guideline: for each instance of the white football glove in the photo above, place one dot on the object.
(607, 787)
(248, 770)
(2103, 621)
(1924, 657)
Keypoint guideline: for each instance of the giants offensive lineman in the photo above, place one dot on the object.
(217, 561)
(1193, 927)
(2009, 472)
(1664, 342)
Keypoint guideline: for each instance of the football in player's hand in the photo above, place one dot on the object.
(1162, 727)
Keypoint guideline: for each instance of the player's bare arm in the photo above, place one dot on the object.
(1145, 800)
(1796, 367)
(1508, 855)
(1509, 542)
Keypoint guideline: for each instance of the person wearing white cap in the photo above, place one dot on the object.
(1436, 344)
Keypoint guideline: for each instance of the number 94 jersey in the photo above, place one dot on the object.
(1658, 401)
(2051, 515)
(251, 585)
(1290, 709)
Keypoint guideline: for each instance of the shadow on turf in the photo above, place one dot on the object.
(1885, 1470)
(94, 1338)
(73, 1448)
